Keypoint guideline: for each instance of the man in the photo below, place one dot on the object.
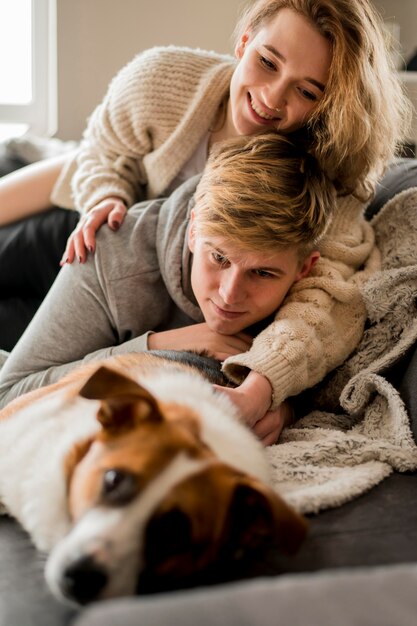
(205, 269)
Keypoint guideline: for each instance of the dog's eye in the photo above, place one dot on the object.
(118, 487)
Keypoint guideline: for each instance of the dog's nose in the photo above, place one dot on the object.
(83, 580)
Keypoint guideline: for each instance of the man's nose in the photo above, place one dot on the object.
(231, 288)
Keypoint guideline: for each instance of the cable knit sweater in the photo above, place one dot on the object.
(322, 318)
(156, 111)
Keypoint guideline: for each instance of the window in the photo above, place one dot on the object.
(28, 67)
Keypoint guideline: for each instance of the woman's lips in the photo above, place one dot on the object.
(261, 116)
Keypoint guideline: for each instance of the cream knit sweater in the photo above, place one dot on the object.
(156, 111)
(322, 318)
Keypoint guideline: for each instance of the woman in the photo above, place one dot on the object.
(335, 80)
(317, 68)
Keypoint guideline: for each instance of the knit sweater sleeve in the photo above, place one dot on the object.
(155, 111)
(117, 137)
(322, 318)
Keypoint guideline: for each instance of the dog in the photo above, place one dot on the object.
(134, 473)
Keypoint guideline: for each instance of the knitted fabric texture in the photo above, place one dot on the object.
(331, 456)
(322, 319)
(155, 112)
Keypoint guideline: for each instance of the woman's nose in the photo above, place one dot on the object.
(275, 94)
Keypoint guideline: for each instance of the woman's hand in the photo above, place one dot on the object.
(199, 337)
(83, 239)
(270, 427)
(253, 399)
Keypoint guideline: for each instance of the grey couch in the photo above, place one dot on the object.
(358, 565)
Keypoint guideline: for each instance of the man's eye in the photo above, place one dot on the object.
(218, 258)
(267, 63)
(263, 273)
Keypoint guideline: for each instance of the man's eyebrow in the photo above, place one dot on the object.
(273, 270)
(281, 57)
(210, 244)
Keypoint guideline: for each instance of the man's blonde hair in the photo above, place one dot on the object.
(364, 115)
(262, 193)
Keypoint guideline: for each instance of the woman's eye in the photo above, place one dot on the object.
(308, 95)
(118, 487)
(267, 63)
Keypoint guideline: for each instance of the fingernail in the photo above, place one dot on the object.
(90, 249)
(63, 261)
(80, 259)
(115, 225)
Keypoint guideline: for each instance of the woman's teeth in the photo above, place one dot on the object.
(259, 111)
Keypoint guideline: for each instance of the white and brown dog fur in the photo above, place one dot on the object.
(136, 470)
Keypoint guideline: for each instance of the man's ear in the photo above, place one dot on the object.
(191, 231)
(241, 45)
(308, 265)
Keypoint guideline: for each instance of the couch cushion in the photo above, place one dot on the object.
(24, 597)
(400, 175)
(385, 597)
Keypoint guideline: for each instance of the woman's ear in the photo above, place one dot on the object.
(241, 45)
(307, 265)
(191, 231)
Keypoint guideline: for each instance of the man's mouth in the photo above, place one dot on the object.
(225, 313)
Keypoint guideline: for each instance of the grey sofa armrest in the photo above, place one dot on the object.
(362, 597)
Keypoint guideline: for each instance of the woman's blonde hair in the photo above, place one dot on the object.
(264, 192)
(364, 115)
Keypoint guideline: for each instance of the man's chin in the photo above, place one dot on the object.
(224, 327)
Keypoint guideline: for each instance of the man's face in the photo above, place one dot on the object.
(236, 288)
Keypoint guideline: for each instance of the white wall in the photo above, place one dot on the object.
(404, 12)
(97, 37)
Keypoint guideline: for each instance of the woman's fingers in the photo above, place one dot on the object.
(83, 239)
(117, 215)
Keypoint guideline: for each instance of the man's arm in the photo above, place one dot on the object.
(73, 325)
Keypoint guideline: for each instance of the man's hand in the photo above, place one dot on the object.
(83, 239)
(200, 337)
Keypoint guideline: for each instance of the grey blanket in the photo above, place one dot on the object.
(331, 456)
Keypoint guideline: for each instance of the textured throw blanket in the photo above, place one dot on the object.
(329, 457)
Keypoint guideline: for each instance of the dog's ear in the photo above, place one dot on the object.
(258, 516)
(223, 517)
(123, 401)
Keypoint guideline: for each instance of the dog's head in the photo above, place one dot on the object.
(152, 506)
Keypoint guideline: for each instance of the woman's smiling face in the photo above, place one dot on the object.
(281, 75)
